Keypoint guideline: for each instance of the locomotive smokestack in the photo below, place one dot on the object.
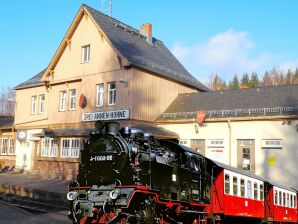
(112, 128)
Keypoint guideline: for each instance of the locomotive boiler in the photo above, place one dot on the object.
(128, 176)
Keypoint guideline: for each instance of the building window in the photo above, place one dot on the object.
(99, 95)
(49, 147)
(86, 54)
(33, 104)
(70, 147)
(41, 103)
(242, 188)
(227, 184)
(246, 158)
(183, 142)
(11, 146)
(4, 146)
(216, 143)
(272, 144)
(235, 186)
(62, 105)
(112, 93)
(72, 99)
(198, 145)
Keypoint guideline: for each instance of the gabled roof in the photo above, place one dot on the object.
(154, 57)
(131, 45)
(274, 100)
(34, 81)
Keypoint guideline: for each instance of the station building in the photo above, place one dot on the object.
(7, 142)
(107, 70)
(251, 129)
(103, 69)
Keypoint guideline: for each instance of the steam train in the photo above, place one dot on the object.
(128, 176)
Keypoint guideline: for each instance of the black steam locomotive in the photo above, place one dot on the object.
(128, 176)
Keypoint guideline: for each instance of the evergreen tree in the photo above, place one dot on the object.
(266, 79)
(245, 80)
(254, 80)
(289, 77)
(235, 83)
(216, 83)
(295, 76)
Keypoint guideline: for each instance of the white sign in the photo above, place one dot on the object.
(106, 115)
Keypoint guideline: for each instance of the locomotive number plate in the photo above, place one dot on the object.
(101, 158)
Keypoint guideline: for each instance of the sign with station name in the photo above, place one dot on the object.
(106, 115)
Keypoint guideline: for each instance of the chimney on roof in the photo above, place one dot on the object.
(146, 30)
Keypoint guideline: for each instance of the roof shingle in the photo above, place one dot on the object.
(266, 97)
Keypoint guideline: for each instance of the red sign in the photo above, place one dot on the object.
(200, 116)
(83, 101)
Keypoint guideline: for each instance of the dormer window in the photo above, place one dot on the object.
(86, 54)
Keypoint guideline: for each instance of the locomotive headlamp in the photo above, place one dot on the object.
(72, 195)
(114, 194)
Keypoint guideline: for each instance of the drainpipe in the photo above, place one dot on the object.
(230, 142)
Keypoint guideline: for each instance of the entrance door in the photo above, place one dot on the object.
(246, 154)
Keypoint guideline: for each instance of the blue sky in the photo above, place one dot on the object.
(212, 36)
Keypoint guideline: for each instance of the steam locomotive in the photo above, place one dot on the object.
(127, 176)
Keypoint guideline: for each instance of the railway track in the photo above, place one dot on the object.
(35, 206)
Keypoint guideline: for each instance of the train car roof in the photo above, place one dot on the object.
(243, 172)
(295, 188)
(281, 186)
(225, 166)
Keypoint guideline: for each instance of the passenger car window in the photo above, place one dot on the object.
(242, 187)
(235, 186)
(227, 184)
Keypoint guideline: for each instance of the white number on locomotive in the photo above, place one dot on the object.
(101, 158)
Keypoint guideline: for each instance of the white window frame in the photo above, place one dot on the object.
(112, 94)
(85, 53)
(42, 103)
(216, 143)
(71, 149)
(245, 179)
(62, 104)
(34, 104)
(99, 95)
(4, 146)
(49, 147)
(183, 142)
(11, 146)
(72, 99)
(272, 143)
(284, 201)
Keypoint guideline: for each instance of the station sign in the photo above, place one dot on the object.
(106, 115)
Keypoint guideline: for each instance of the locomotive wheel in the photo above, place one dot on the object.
(148, 215)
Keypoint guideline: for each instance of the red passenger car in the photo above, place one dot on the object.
(282, 203)
(237, 195)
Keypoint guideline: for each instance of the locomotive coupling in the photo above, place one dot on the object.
(71, 195)
(114, 194)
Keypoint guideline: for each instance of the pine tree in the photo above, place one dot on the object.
(266, 79)
(235, 83)
(254, 80)
(289, 77)
(245, 80)
(216, 83)
(295, 76)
